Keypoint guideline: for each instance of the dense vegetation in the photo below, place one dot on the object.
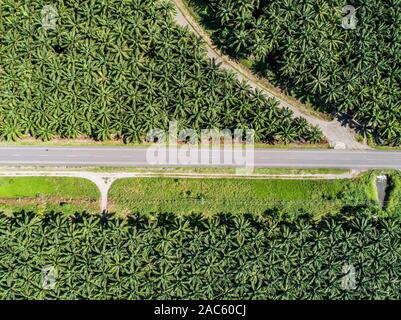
(190, 257)
(256, 196)
(302, 46)
(116, 69)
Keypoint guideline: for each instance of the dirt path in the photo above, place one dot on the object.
(105, 180)
(339, 137)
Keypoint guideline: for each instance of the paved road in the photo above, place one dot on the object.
(129, 156)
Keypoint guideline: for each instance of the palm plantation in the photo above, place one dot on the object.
(117, 69)
(302, 47)
(192, 257)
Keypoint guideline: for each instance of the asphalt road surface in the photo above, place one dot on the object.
(131, 156)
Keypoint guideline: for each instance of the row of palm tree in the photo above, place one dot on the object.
(302, 46)
(117, 69)
(192, 257)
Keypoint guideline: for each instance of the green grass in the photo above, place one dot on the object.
(322, 145)
(300, 171)
(256, 196)
(393, 201)
(372, 144)
(48, 193)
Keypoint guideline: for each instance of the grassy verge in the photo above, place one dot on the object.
(182, 170)
(260, 197)
(62, 142)
(384, 148)
(87, 142)
(194, 170)
(199, 11)
(393, 201)
(42, 194)
(322, 145)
